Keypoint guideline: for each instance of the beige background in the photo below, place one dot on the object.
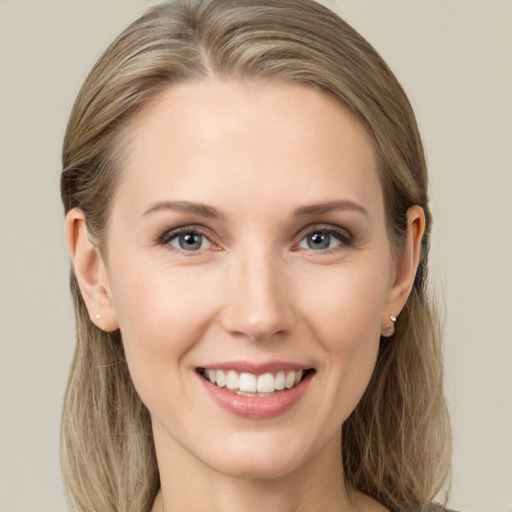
(454, 59)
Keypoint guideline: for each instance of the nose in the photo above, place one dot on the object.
(259, 304)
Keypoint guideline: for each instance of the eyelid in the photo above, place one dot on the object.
(170, 234)
(344, 235)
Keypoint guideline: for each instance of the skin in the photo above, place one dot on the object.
(255, 290)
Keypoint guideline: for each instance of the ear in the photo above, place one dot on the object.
(90, 272)
(406, 268)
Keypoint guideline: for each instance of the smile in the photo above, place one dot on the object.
(252, 385)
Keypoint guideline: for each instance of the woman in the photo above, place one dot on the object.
(247, 216)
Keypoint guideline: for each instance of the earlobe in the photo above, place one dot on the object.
(406, 266)
(90, 272)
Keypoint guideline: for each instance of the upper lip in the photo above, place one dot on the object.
(256, 368)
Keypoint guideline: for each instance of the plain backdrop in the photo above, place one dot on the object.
(453, 58)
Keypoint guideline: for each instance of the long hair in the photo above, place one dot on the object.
(396, 443)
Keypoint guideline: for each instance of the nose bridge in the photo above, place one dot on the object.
(257, 304)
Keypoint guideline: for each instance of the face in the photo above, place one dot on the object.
(247, 246)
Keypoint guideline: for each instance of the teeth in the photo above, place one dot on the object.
(220, 379)
(266, 383)
(248, 384)
(232, 380)
(280, 381)
(290, 380)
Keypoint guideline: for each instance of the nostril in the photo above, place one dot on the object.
(256, 307)
(258, 328)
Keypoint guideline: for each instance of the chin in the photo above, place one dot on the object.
(258, 468)
(261, 457)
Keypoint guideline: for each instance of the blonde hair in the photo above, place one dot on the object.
(396, 443)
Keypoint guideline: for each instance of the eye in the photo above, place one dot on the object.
(322, 239)
(186, 240)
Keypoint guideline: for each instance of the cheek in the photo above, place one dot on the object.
(162, 314)
(347, 305)
(155, 302)
(345, 315)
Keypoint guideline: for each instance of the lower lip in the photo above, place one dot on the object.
(257, 407)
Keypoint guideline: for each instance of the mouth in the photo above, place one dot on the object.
(254, 385)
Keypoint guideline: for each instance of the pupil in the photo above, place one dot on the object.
(190, 241)
(319, 241)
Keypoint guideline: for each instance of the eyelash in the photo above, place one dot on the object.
(344, 237)
(171, 234)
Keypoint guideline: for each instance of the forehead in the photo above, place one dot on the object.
(211, 139)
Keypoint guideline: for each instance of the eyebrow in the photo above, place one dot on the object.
(202, 210)
(329, 206)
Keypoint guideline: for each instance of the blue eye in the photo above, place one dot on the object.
(324, 239)
(319, 241)
(189, 241)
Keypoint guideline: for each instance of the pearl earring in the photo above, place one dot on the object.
(98, 317)
(389, 332)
